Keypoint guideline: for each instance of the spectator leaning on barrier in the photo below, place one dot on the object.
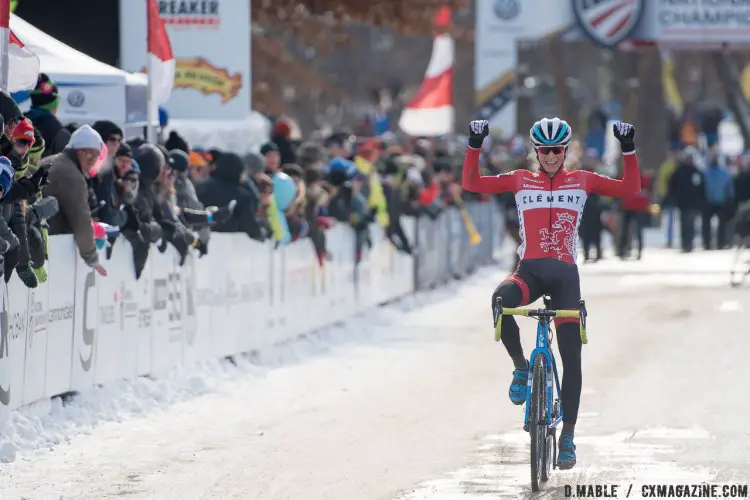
(372, 189)
(316, 211)
(145, 213)
(126, 172)
(16, 144)
(23, 139)
(68, 173)
(45, 100)
(199, 169)
(181, 237)
(37, 229)
(295, 214)
(226, 184)
(104, 181)
(174, 230)
(393, 196)
(8, 240)
(190, 210)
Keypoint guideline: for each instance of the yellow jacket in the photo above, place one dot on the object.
(377, 199)
(273, 220)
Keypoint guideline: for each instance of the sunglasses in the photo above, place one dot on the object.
(114, 138)
(25, 142)
(545, 150)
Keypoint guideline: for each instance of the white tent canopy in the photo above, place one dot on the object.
(90, 90)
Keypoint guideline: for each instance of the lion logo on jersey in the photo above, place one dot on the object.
(563, 236)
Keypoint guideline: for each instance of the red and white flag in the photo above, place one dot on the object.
(161, 58)
(23, 64)
(430, 112)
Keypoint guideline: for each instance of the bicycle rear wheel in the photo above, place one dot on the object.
(538, 423)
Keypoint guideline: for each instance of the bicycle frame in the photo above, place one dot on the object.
(543, 338)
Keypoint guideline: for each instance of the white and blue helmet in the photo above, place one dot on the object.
(550, 132)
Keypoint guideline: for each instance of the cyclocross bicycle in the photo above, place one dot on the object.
(541, 418)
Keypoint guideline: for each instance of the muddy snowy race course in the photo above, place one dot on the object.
(411, 403)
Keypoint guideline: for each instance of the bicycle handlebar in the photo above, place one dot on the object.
(579, 313)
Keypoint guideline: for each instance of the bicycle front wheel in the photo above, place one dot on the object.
(538, 422)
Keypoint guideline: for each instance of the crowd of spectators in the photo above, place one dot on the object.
(92, 182)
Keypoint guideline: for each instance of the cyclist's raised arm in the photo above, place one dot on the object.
(472, 181)
(630, 183)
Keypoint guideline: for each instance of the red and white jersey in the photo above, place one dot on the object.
(550, 208)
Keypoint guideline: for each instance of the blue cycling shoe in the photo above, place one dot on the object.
(566, 458)
(517, 391)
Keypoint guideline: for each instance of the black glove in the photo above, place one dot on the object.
(625, 133)
(151, 231)
(110, 248)
(202, 247)
(478, 130)
(29, 189)
(40, 177)
(181, 245)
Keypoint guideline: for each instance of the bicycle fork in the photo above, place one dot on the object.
(553, 415)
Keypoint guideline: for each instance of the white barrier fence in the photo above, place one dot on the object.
(79, 329)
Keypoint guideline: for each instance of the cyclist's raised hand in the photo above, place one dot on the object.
(625, 133)
(478, 130)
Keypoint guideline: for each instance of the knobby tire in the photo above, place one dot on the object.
(538, 423)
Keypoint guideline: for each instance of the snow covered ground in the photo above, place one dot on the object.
(410, 402)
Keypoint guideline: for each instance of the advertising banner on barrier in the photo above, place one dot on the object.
(80, 329)
(62, 258)
(211, 45)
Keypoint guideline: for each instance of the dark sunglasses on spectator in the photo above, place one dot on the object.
(114, 138)
(545, 150)
(24, 142)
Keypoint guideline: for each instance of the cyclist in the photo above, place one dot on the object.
(550, 203)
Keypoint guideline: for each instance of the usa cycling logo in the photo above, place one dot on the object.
(608, 22)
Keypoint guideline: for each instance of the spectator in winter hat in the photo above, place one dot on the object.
(123, 160)
(22, 140)
(225, 185)
(26, 219)
(184, 188)
(109, 210)
(270, 152)
(176, 141)
(255, 164)
(6, 176)
(110, 133)
(16, 144)
(281, 135)
(12, 116)
(45, 100)
(199, 170)
(68, 173)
